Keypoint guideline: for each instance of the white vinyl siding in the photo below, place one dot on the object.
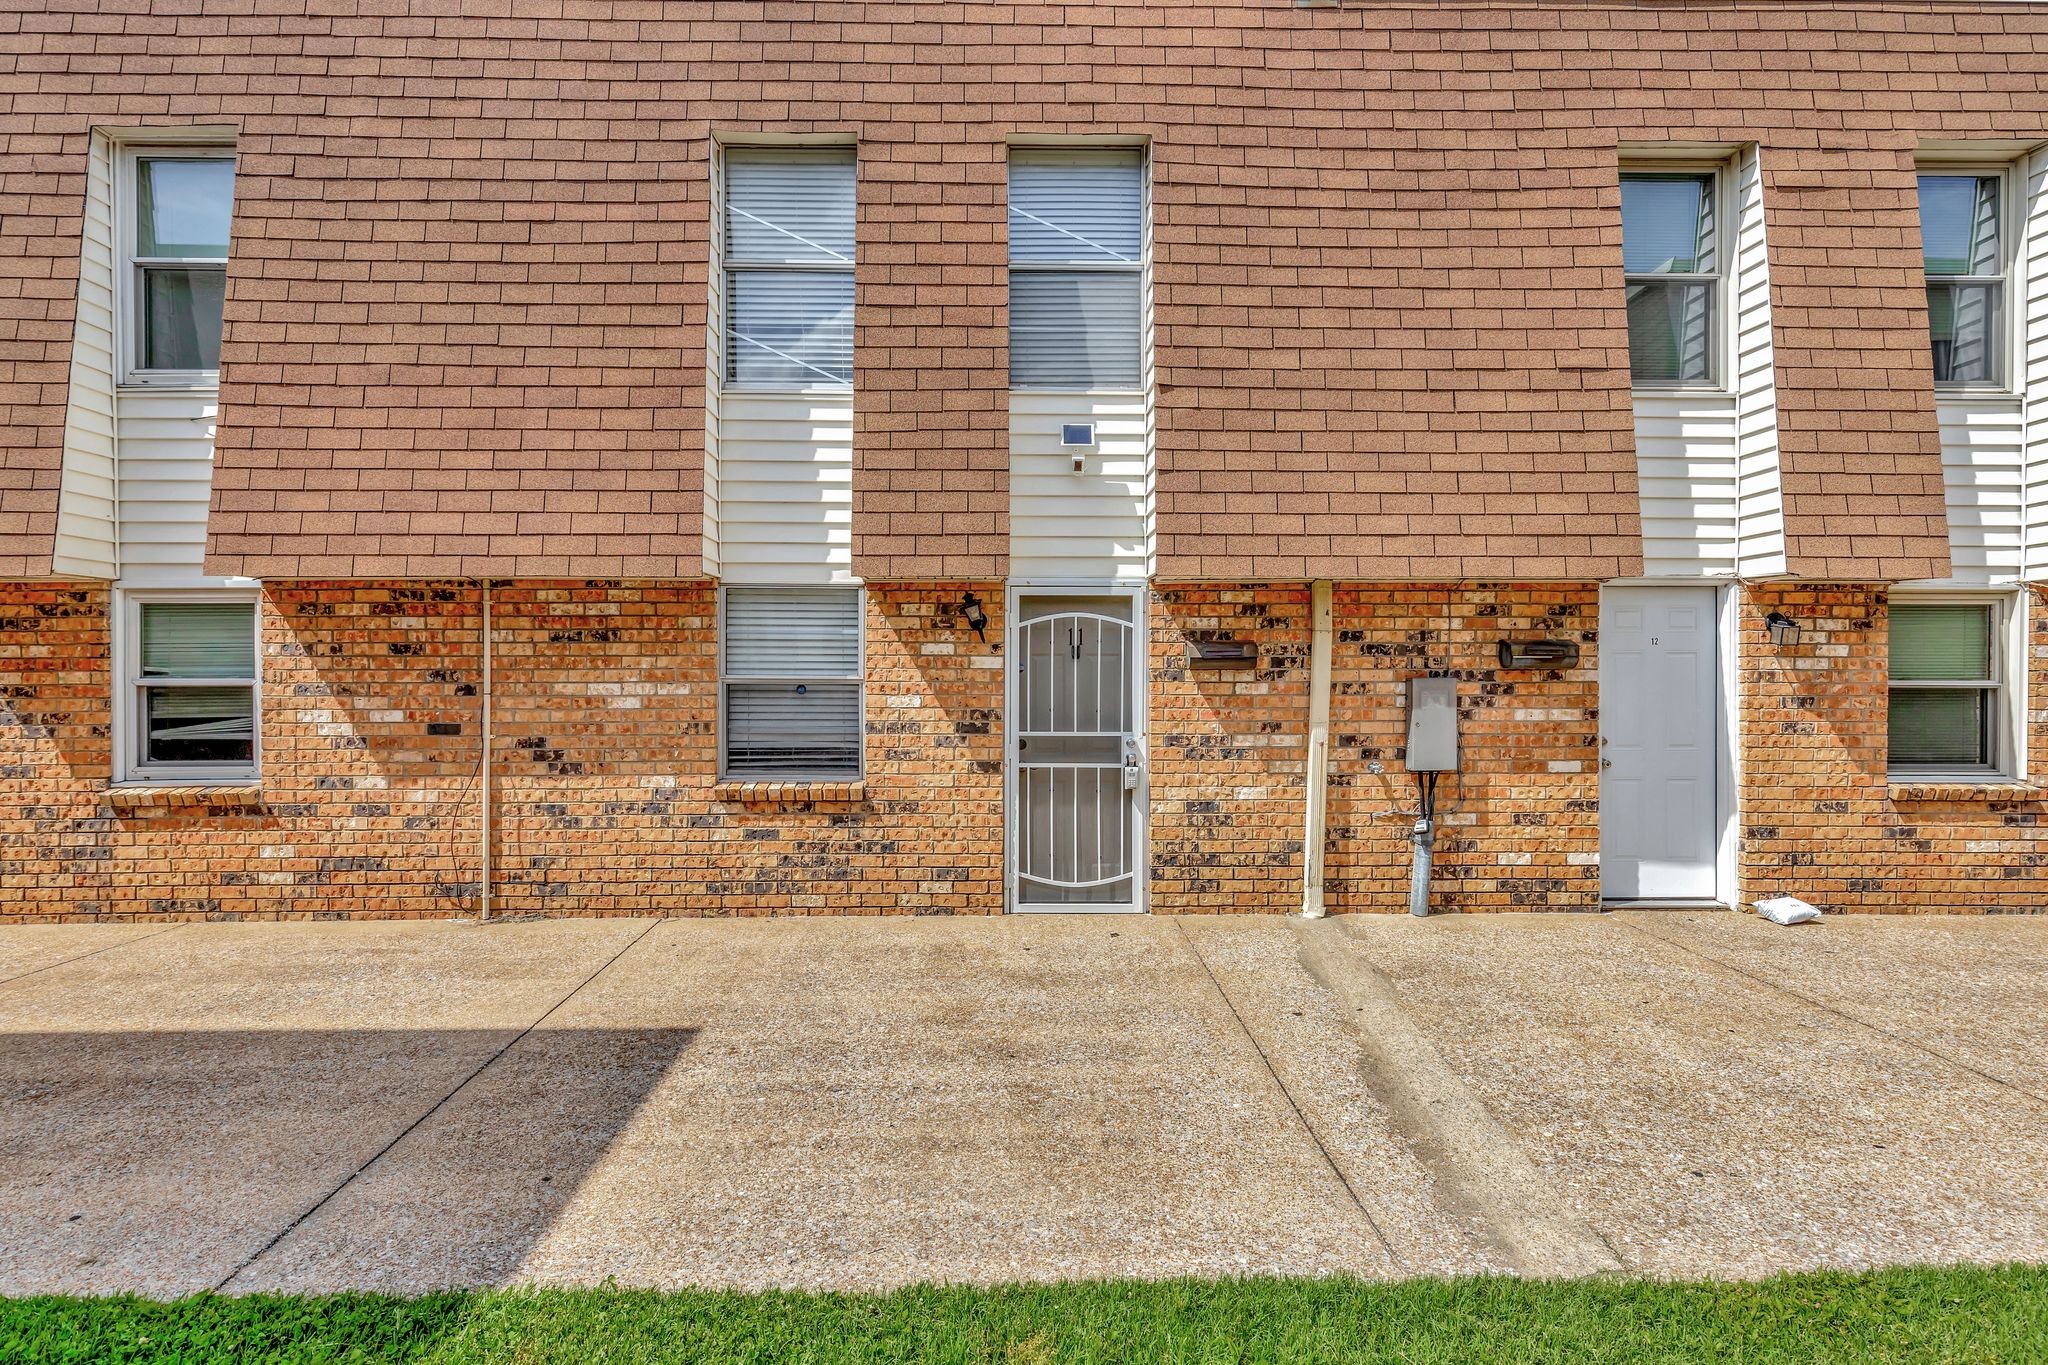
(166, 484)
(1077, 234)
(1094, 526)
(790, 697)
(1983, 467)
(1687, 472)
(1760, 501)
(87, 526)
(789, 251)
(2032, 288)
(785, 479)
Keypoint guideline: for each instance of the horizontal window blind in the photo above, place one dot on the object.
(792, 632)
(1959, 224)
(790, 328)
(1667, 224)
(1077, 206)
(789, 205)
(198, 640)
(808, 720)
(789, 251)
(1945, 727)
(781, 729)
(1941, 642)
(1074, 331)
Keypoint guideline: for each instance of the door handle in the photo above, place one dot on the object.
(1606, 762)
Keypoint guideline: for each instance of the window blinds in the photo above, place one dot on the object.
(789, 252)
(792, 662)
(1077, 230)
(1951, 725)
(198, 640)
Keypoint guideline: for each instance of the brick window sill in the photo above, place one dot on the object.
(142, 795)
(790, 793)
(1990, 789)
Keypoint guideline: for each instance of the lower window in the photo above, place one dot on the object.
(1947, 687)
(190, 709)
(790, 683)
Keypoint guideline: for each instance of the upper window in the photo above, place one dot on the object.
(1946, 686)
(191, 702)
(1077, 242)
(789, 266)
(1961, 236)
(176, 228)
(790, 682)
(1671, 261)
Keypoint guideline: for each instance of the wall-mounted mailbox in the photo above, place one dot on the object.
(1538, 654)
(1222, 654)
(1432, 725)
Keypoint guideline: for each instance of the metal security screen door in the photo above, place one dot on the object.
(1077, 769)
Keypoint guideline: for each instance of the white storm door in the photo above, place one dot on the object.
(1077, 770)
(1659, 750)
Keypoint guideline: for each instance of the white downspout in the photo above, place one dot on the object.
(484, 791)
(1320, 634)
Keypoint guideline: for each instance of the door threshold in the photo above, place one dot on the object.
(1665, 903)
(1077, 910)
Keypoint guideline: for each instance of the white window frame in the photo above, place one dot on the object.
(728, 266)
(1141, 269)
(2010, 224)
(858, 678)
(1721, 277)
(129, 266)
(2007, 681)
(130, 766)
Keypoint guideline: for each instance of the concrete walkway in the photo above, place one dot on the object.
(867, 1102)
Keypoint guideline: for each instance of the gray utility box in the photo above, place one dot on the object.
(1432, 725)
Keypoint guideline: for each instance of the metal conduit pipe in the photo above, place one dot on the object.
(483, 821)
(1318, 778)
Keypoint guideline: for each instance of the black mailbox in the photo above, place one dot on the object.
(1538, 654)
(1222, 654)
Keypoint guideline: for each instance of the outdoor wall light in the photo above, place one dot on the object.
(1784, 630)
(970, 610)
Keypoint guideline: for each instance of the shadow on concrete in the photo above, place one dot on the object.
(163, 1162)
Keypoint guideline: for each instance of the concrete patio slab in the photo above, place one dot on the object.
(865, 1102)
(846, 1103)
(173, 1104)
(29, 948)
(1969, 988)
(1706, 1122)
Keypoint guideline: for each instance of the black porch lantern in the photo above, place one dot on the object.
(976, 618)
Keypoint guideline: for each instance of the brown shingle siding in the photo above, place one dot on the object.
(470, 250)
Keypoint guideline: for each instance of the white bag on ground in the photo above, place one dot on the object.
(1786, 910)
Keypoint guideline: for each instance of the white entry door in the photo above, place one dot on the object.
(1659, 750)
(1077, 764)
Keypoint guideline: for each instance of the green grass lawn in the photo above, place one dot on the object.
(1947, 1314)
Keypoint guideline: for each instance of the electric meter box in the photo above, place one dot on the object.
(1432, 725)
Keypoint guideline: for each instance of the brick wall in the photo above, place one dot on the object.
(1518, 824)
(1818, 818)
(606, 801)
(467, 300)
